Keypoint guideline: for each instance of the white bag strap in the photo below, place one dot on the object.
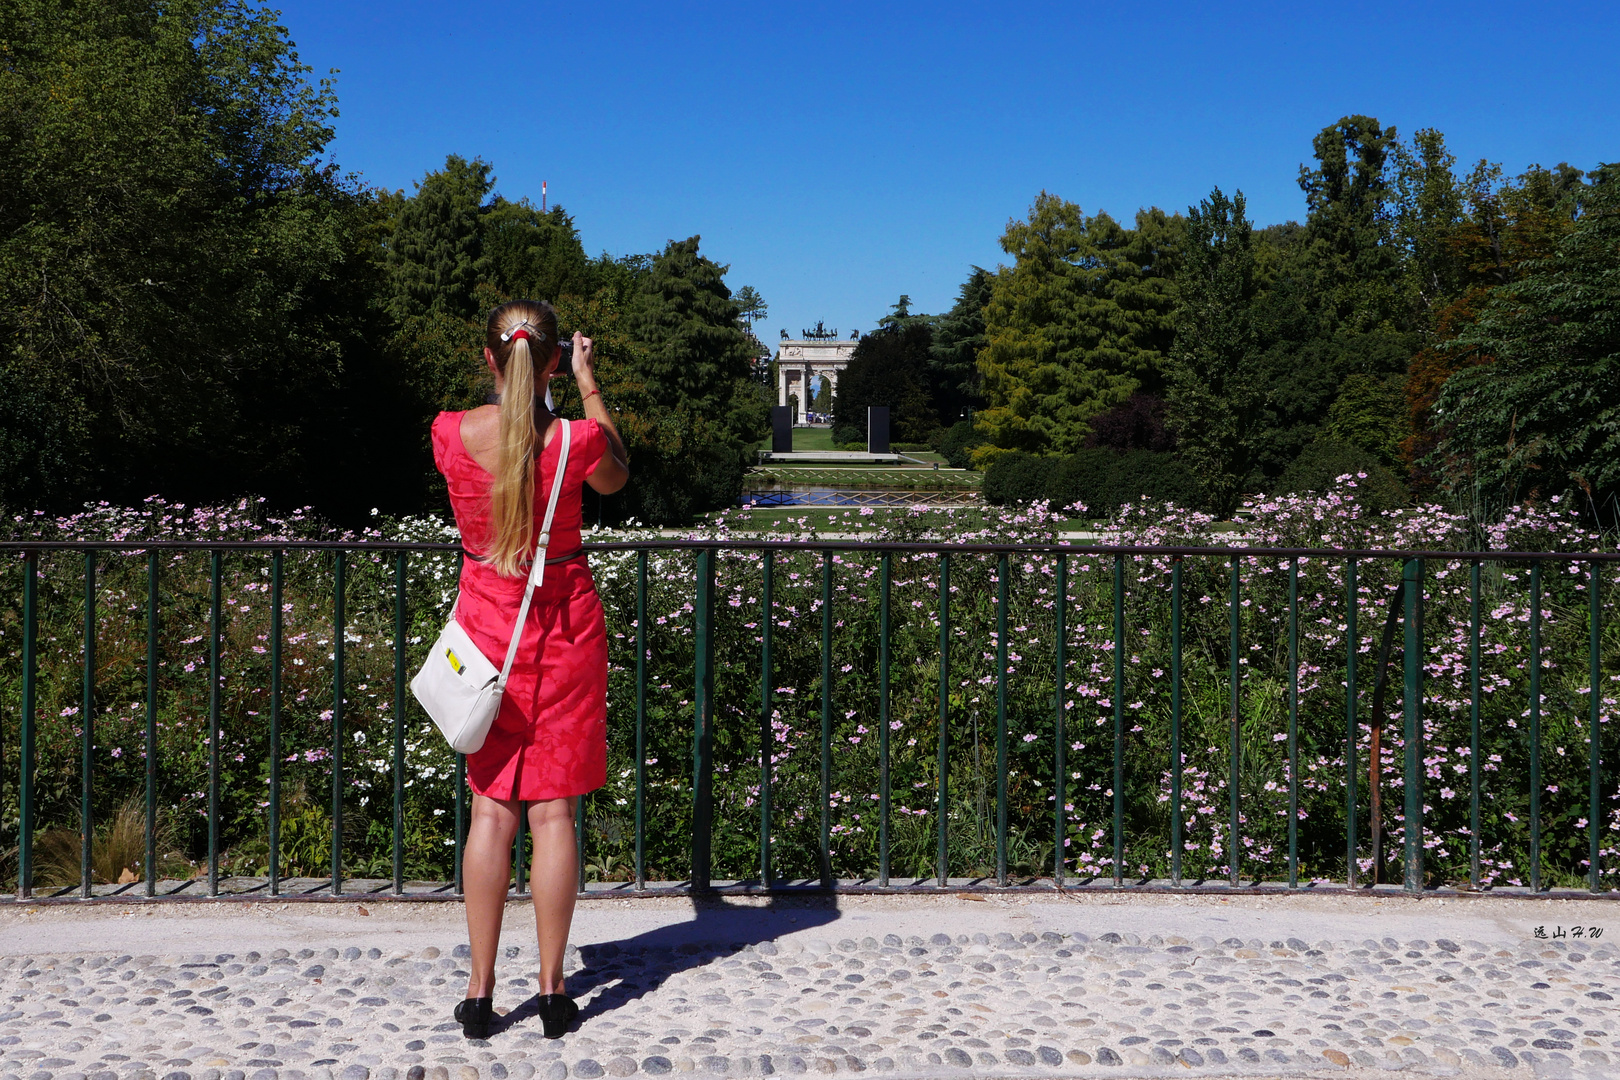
(537, 571)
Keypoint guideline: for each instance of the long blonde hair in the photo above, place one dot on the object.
(512, 496)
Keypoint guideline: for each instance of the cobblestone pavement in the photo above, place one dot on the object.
(832, 997)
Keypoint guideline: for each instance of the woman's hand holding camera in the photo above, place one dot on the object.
(584, 360)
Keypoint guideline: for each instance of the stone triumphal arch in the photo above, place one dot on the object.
(817, 353)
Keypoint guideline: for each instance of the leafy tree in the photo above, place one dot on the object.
(1140, 422)
(1367, 414)
(889, 367)
(957, 443)
(684, 315)
(751, 306)
(1079, 322)
(900, 316)
(1429, 205)
(1543, 418)
(436, 254)
(533, 255)
(1508, 228)
(1357, 267)
(958, 340)
(1216, 385)
(1326, 459)
(186, 288)
(821, 401)
(1303, 380)
(694, 366)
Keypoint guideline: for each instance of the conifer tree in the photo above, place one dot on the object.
(1078, 323)
(1215, 387)
(436, 255)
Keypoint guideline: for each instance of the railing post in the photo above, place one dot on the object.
(275, 721)
(1002, 573)
(1535, 726)
(1594, 812)
(942, 861)
(400, 624)
(1119, 720)
(826, 721)
(767, 736)
(461, 822)
(150, 869)
(87, 725)
(519, 864)
(884, 573)
(1473, 725)
(1352, 645)
(1177, 840)
(579, 841)
(30, 709)
(215, 631)
(641, 720)
(702, 732)
(1060, 763)
(339, 626)
(1413, 710)
(1234, 858)
(1293, 723)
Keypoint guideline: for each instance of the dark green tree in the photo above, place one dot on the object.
(529, 254)
(186, 286)
(1216, 389)
(1356, 266)
(1368, 414)
(958, 339)
(694, 368)
(890, 368)
(751, 307)
(1429, 205)
(1542, 418)
(1078, 323)
(436, 253)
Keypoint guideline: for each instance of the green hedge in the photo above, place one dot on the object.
(1101, 480)
(956, 443)
(1319, 466)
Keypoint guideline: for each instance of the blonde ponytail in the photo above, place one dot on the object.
(518, 334)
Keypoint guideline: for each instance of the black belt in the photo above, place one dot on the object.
(578, 552)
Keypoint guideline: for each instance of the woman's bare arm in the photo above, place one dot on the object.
(612, 472)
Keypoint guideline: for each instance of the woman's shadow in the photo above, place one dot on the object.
(624, 970)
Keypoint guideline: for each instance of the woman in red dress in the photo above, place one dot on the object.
(548, 744)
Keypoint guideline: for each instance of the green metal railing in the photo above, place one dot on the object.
(1406, 610)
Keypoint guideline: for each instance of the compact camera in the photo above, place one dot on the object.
(565, 363)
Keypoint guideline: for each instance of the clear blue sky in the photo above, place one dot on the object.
(837, 155)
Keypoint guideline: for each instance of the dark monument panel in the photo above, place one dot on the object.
(877, 429)
(781, 429)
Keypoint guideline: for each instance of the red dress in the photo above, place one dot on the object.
(549, 740)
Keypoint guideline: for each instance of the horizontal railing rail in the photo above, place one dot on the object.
(1129, 593)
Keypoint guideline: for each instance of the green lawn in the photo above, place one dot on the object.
(813, 438)
(828, 519)
(854, 476)
(844, 520)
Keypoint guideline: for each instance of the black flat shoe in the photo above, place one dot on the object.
(557, 1013)
(476, 1015)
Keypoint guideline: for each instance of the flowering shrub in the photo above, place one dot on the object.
(793, 717)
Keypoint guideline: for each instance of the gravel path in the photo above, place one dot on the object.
(823, 1001)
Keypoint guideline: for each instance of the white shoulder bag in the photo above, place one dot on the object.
(458, 686)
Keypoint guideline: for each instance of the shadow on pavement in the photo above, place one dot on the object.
(629, 968)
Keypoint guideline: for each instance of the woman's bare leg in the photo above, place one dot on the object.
(486, 872)
(554, 879)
